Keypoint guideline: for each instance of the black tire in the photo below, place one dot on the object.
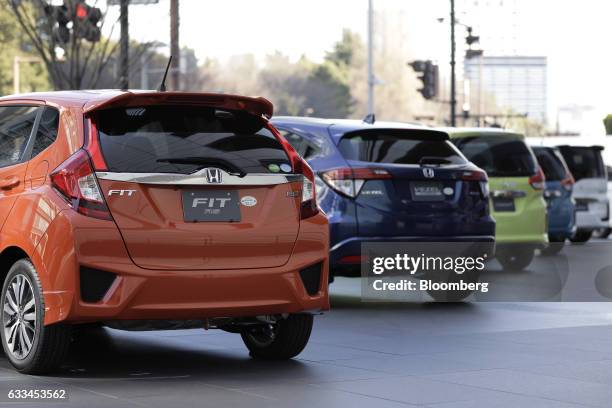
(555, 245)
(603, 233)
(49, 345)
(515, 259)
(284, 340)
(552, 249)
(582, 236)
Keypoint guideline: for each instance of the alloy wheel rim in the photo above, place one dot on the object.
(19, 316)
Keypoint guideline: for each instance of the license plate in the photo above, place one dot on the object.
(503, 205)
(211, 205)
(582, 207)
(426, 191)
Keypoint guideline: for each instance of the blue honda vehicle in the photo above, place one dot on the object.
(561, 211)
(389, 182)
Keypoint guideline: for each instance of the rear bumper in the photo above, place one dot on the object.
(561, 219)
(143, 294)
(596, 215)
(586, 220)
(346, 254)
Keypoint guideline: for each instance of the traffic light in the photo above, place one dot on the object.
(470, 38)
(429, 74)
(85, 21)
(59, 17)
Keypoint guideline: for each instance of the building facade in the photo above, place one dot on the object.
(507, 84)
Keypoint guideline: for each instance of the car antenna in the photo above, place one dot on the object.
(370, 118)
(162, 86)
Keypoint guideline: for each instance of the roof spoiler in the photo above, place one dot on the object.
(255, 106)
(595, 147)
(429, 134)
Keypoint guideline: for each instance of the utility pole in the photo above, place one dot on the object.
(453, 90)
(175, 50)
(16, 74)
(123, 45)
(371, 79)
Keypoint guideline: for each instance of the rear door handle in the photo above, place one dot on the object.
(9, 183)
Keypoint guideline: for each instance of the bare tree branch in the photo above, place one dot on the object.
(82, 64)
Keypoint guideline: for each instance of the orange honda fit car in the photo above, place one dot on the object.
(154, 210)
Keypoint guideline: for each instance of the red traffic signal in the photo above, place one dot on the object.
(81, 11)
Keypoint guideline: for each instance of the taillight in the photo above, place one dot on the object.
(76, 182)
(474, 175)
(92, 145)
(568, 182)
(538, 180)
(349, 181)
(309, 195)
(309, 205)
(480, 177)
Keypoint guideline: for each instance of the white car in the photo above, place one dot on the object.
(584, 157)
(590, 191)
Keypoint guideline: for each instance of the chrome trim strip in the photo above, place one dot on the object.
(199, 178)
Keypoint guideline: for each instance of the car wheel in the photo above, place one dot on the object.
(30, 346)
(552, 249)
(516, 259)
(603, 233)
(580, 237)
(280, 341)
(555, 245)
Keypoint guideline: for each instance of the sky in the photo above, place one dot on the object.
(576, 36)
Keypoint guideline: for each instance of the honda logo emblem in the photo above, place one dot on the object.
(213, 176)
(428, 172)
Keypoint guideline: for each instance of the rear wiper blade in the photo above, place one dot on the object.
(434, 160)
(223, 164)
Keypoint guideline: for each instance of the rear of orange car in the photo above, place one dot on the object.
(186, 210)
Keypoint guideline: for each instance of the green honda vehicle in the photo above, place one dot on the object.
(516, 185)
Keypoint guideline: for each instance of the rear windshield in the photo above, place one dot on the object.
(398, 149)
(551, 164)
(499, 156)
(583, 162)
(180, 139)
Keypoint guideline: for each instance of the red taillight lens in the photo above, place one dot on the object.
(349, 181)
(92, 145)
(353, 259)
(474, 176)
(480, 177)
(309, 194)
(538, 180)
(309, 205)
(76, 182)
(568, 182)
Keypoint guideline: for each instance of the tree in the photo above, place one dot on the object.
(79, 63)
(608, 124)
(344, 50)
(305, 88)
(32, 75)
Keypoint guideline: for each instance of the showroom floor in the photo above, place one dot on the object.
(361, 355)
